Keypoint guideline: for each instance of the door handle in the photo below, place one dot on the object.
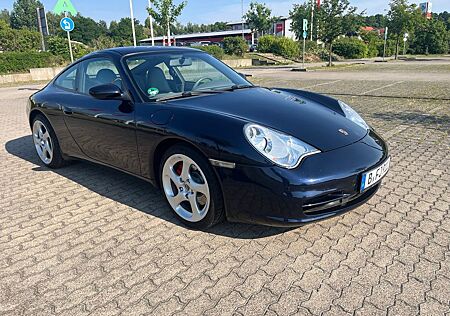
(67, 111)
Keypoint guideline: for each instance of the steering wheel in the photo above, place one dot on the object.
(200, 81)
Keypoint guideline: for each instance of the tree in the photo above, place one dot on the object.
(377, 21)
(23, 40)
(431, 37)
(297, 14)
(121, 32)
(166, 13)
(24, 14)
(402, 18)
(335, 18)
(5, 16)
(259, 18)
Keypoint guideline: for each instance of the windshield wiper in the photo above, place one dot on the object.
(237, 87)
(187, 94)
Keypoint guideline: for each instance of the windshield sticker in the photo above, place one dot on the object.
(152, 92)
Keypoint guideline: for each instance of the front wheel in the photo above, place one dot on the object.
(191, 188)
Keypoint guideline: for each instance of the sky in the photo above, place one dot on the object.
(205, 11)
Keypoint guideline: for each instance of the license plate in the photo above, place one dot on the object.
(375, 175)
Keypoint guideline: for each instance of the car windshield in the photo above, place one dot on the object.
(161, 76)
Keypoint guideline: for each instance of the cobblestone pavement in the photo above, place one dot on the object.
(89, 240)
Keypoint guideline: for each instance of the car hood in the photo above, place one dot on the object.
(302, 118)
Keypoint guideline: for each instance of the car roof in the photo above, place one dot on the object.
(142, 49)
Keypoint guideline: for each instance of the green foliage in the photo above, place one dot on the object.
(297, 14)
(336, 18)
(18, 40)
(351, 48)
(86, 29)
(402, 18)
(282, 46)
(235, 46)
(103, 42)
(5, 16)
(24, 14)
(377, 20)
(60, 47)
(165, 12)
(122, 34)
(16, 62)
(214, 50)
(259, 18)
(266, 43)
(431, 37)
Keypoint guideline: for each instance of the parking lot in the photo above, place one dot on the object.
(86, 239)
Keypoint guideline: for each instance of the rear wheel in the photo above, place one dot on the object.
(46, 143)
(191, 188)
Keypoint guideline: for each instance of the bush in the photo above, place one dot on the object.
(282, 46)
(350, 48)
(18, 40)
(266, 43)
(214, 50)
(60, 47)
(16, 62)
(235, 46)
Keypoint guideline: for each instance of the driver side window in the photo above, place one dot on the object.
(98, 72)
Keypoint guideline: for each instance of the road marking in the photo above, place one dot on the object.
(321, 84)
(383, 87)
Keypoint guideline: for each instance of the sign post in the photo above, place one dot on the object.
(43, 25)
(151, 24)
(405, 39)
(68, 25)
(305, 34)
(385, 40)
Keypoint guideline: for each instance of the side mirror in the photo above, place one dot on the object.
(245, 76)
(107, 91)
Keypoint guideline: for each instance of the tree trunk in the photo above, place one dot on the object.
(168, 35)
(396, 47)
(330, 61)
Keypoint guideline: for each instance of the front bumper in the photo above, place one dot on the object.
(324, 185)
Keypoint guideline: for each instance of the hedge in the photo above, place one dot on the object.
(235, 46)
(214, 50)
(282, 46)
(17, 62)
(351, 48)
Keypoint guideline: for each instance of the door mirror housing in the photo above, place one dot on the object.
(245, 76)
(107, 92)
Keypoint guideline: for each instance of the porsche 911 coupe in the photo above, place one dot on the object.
(216, 145)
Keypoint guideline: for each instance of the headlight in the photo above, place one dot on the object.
(283, 150)
(352, 115)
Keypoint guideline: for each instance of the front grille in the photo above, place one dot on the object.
(334, 201)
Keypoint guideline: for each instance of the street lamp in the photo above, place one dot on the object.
(242, 18)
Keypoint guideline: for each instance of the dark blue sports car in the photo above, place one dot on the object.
(218, 146)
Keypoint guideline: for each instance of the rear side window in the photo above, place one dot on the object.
(68, 79)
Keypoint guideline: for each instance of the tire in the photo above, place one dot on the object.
(191, 186)
(46, 143)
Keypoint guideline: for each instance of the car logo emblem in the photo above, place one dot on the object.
(343, 132)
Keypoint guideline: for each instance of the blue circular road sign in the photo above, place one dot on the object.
(67, 24)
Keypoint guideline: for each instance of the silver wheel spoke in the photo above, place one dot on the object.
(174, 177)
(194, 207)
(178, 199)
(199, 187)
(185, 170)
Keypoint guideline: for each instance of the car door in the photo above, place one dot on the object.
(103, 129)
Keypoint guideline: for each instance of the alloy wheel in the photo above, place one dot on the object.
(186, 188)
(43, 142)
